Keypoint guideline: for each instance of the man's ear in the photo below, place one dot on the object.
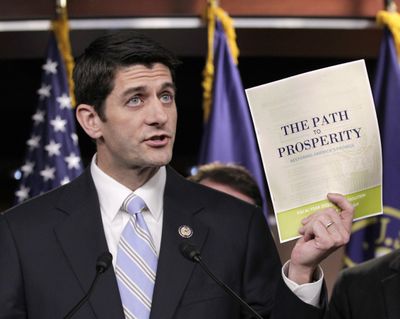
(89, 120)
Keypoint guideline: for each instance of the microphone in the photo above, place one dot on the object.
(191, 253)
(102, 264)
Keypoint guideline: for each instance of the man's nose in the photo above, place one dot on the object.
(157, 113)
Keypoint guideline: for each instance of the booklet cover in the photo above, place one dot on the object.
(318, 134)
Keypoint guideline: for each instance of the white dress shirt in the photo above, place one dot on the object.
(111, 196)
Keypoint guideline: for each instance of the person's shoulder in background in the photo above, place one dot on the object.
(359, 292)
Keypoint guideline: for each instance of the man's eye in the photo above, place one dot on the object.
(167, 98)
(134, 101)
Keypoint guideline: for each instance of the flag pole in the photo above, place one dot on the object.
(60, 27)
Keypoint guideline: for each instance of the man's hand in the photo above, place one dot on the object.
(322, 233)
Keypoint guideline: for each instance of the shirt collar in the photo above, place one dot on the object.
(112, 193)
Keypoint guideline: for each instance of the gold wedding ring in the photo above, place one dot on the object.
(329, 224)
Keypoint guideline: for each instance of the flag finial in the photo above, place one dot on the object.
(390, 6)
(61, 3)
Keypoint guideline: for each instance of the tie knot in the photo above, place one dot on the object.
(134, 204)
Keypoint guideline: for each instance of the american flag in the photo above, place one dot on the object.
(53, 156)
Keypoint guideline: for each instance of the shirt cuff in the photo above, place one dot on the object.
(309, 293)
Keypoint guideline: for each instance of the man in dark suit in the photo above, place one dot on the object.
(49, 245)
(368, 291)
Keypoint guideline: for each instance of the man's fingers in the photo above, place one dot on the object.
(347, 210)
(340, 201)
(336, 224)
(306, 220)
(330, 220)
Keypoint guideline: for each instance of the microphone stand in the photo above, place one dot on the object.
(84, 299)
(230, 292)
(191, 253)
(102, 264)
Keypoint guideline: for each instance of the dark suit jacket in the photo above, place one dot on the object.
(368, 291)
(49, 246)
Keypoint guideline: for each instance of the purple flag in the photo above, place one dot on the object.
(53, 156)
(379, 235)
(229, 134)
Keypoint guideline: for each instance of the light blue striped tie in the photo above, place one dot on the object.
(136, 264)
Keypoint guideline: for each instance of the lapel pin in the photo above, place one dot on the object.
(185, 231)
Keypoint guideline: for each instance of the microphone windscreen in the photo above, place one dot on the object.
(103, 262)
(189, 251)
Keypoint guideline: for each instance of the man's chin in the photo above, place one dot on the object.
(158, 162)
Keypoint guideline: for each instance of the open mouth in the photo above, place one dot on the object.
(158, 138)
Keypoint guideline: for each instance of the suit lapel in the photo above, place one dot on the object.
(173, 272)
(82, 240)
(391, 290)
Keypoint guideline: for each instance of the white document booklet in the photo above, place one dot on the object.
(318, 133)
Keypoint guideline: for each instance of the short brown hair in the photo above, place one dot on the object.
(233, 175)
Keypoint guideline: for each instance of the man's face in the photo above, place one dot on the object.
(140, 125)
